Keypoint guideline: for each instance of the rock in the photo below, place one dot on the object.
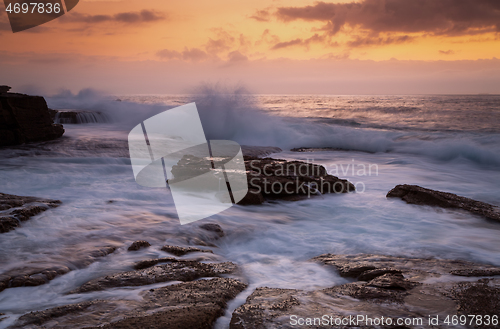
(272, 179)
(174, 271)
(414, 194)
(136, 245)
(37, 275)
(16, 209)
(181, 251)
(4, 89)
(253, 197)
(479, 298)
(195, 304)
(152, 262)
(211, 227)
(25, 119)
(394, 287)
(259, 151)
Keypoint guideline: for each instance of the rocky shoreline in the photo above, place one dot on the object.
(25, 119)
(190, 286)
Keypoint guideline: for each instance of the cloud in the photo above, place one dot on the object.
(223, 42)
(378, 41)
(190, 55)
(439, 17)
(144, 16)
(299, 42)
(262, 15)
(447, 52)
(236, 56)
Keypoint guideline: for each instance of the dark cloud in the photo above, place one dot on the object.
(144, 16)
(445, 17)
(378, 41)
(299, 42)
(262, 15)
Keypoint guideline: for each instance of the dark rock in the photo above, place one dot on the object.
(253, 197)
(175, 271)
(414, 194)
(136, 245)
(4, 89)
(372, 274)
(211, 227)
(195, 304)
(25, 119)
(289, 180)
(181, 251)
(16, 209)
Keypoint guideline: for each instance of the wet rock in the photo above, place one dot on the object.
(393, 287)
(152, 262)
(16, 209)
(253, 197)
(212, 227)
(25, 119)
(181, 251)
(136, 245)
(367, 266)
(174, 271)
(479, 298)
(272, 179)
(414, 194)
(194, 304)
(31, 276)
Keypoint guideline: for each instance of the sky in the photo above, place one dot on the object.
(270, 47)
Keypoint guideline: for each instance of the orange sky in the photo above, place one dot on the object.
(293, 46)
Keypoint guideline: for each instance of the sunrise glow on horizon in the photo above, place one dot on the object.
(271, 46)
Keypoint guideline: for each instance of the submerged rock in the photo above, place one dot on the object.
(414, 194)
(16, 209)
(392, 287)
(195, 304)
(25, 119)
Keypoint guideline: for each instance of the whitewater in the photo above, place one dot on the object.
(443, 142)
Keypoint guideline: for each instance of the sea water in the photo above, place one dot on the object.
(447, 143)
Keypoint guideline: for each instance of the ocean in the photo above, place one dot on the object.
(443, 142)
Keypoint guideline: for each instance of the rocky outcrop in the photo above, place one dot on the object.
(16, 209)
(176, 270)
(195, 305)
(25, 119)
(31, 276)
(277, 179)
(392, 287)
(414, 194)
(190, 304)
